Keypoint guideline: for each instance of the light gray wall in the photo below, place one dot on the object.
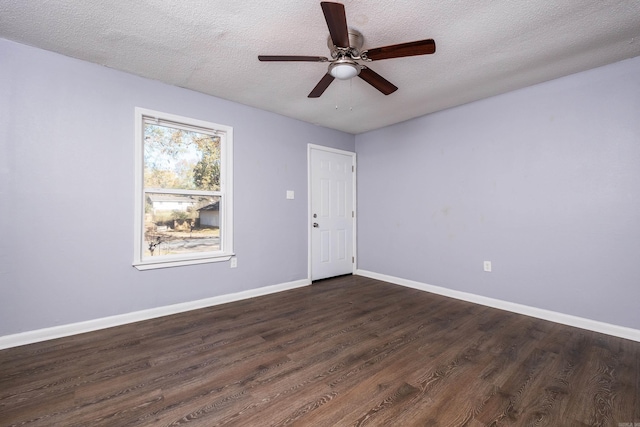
(544, 182)
(66, 193)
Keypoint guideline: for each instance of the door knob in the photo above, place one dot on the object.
(315, 225)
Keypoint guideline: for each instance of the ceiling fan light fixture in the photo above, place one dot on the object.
(344, 69)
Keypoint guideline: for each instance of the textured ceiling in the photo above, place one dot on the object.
(484, 47)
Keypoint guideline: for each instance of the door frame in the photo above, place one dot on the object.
(351, 154)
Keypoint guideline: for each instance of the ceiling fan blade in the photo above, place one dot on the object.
(292, 58)
(336, 19)
(322, 85)
(420, 47)
(377, 81)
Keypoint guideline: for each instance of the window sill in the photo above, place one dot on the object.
(147, 265)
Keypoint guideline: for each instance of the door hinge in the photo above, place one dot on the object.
(353, 214)
(353, 168)
(353, 260)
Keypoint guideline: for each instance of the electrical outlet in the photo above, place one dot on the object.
(234, 262)
(487, 266)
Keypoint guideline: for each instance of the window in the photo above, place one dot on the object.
(184, 198)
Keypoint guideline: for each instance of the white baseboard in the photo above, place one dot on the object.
(45, 334)
(565, 319)
(38, 335)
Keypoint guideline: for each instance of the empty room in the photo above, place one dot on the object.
(320, 214)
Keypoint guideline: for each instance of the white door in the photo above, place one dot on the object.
(332, 212)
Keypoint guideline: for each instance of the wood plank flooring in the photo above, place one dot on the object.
(349, 351)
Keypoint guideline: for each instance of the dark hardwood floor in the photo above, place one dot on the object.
(343, 352)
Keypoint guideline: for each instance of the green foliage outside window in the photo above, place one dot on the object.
(181, 159)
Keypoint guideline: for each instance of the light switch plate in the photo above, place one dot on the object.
(290, 194)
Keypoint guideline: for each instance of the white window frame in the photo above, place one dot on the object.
(226, 192)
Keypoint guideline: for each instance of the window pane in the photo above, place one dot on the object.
(180, 159)
(180, 224)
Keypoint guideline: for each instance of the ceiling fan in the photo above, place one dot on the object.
(345, 44)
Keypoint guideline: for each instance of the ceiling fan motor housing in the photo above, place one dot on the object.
(356, 40)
